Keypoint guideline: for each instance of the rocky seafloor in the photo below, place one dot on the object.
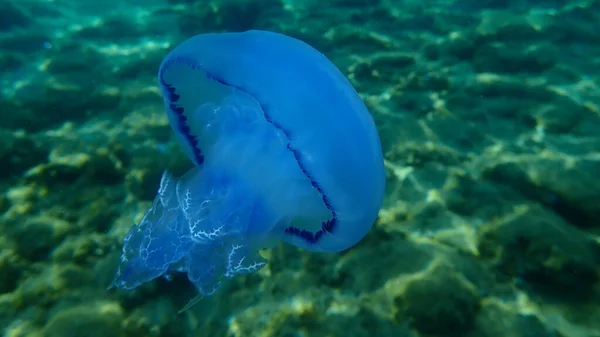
(489, 115)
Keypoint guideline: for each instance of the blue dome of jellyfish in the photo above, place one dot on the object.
(283, 149)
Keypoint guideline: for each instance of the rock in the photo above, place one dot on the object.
(104, 165)
(62, 168)
(107, 166)
(501, 58)
(235, 15)
(10, 271)
(566, 185)
(91, 320)
(49, 102)
(498, 320)
(55, 283)
(550, 256)
(377, 68)
(37, 236)
(307, 313)
(355, 3)
(11, 61)
(387, 256)
(82, 250)
(504, 25)
(12, 16)
(143, 184)
(440, 304)
(573, 191)
(19, 152)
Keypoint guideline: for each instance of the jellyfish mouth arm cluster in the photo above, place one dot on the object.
(284, 151)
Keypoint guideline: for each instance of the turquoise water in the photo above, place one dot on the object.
(489, 117)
